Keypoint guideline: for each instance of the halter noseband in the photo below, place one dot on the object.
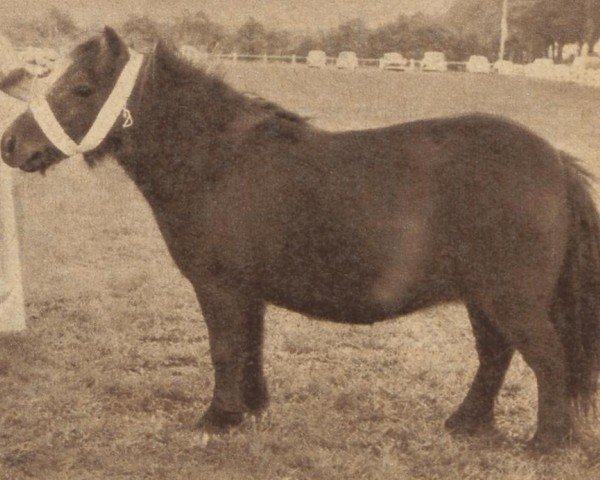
(115, 105)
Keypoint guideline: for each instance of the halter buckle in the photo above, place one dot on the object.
(128, 118)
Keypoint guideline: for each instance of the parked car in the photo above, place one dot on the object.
(434, 62)
(39, 61)
(393, 61)
(347, 60)
(316, 59)
(478, 64)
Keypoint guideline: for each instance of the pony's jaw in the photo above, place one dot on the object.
(40, 161)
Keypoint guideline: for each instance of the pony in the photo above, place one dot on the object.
(257, 206)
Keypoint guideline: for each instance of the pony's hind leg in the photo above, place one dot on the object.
(476, 412)
(531, 331)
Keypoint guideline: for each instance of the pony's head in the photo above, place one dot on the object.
(78, 111)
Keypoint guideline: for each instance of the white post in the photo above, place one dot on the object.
(503, 29)
(12, 307)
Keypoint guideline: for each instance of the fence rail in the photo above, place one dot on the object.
(200, 58)
(558, 73)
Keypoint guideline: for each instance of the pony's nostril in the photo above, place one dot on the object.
(35, 157)
(9, 144)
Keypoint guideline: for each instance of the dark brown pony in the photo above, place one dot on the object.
(257, 206)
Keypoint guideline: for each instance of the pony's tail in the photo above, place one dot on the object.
(576, 309)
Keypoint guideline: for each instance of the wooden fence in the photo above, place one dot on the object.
(559, 73)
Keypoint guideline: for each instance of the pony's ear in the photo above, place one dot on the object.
(18, 84)
(113, 43)
(112, 50)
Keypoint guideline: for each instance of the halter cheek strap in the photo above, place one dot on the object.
(115, 105)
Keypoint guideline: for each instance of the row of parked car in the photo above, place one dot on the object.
(585, 69)
(546, 68)
(38, 61)
(431, 62)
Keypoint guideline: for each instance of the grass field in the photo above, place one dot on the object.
(114, 369)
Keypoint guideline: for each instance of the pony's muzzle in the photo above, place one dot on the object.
(18, 148)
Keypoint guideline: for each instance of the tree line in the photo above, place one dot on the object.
(470, 27)
(410, 35)
(535, 26)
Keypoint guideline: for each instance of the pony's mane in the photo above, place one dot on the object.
(211, 85)
(184, 71)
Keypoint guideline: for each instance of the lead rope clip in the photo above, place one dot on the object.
(128, 122)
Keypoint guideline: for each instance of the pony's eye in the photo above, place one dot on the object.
(83, 91)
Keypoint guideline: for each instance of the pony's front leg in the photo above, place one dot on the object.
(235, 329)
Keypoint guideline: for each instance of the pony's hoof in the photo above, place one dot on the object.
(215, 421)
(215, 427)
(551, 438)
(256, 399)
(542, 444)
(463, 424)
(255, 419)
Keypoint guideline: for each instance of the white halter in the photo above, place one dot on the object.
(115, 105)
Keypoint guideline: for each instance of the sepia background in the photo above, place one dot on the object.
(114, 369)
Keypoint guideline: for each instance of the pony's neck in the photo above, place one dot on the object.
(179, 115)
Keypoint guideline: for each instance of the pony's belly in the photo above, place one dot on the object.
(357, 292)
(364, 313)
(357, 313)
(346, 305)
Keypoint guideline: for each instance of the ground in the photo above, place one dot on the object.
(114, 369)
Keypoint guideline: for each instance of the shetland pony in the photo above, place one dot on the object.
(258, 207)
